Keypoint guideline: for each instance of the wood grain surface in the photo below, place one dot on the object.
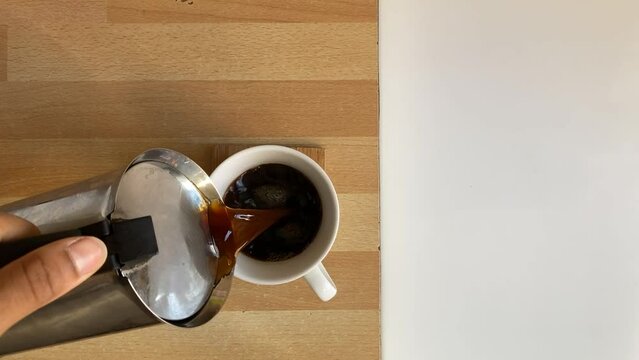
(3, 52)
(191, 11)
(235, 51)
(87, 85)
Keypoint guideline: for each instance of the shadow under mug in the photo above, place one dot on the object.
(307, 264)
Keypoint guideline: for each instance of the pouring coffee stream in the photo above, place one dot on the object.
(236, 228)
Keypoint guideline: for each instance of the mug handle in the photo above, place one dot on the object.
(319, 280)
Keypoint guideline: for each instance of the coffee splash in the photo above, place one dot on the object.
(233, 229)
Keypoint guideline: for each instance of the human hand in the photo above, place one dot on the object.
(45, 274)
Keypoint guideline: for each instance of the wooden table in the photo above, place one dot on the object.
(85, 85)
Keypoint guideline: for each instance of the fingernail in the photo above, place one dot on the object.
(87, 254)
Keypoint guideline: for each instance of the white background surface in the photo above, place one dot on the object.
(510, 179)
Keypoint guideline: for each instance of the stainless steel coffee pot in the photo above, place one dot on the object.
(162, 263)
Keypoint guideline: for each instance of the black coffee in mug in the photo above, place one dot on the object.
(276, 186)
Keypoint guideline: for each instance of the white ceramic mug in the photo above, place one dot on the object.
(307, 264)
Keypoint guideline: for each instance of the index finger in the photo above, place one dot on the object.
(14, 228)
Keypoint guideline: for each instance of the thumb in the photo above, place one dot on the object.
(45, 274)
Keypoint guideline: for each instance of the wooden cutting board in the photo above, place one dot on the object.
(87, 85)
